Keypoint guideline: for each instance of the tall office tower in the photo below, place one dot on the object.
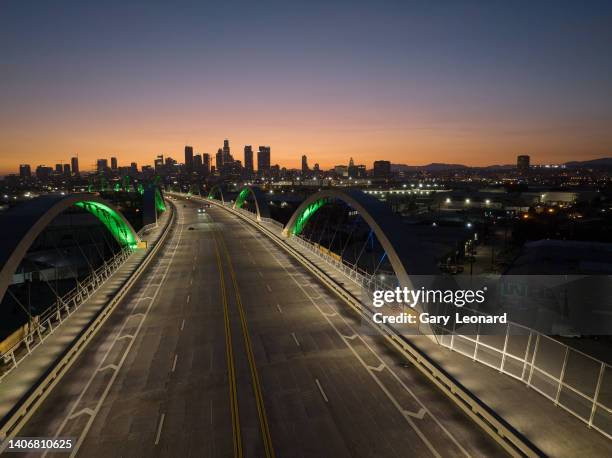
(101, 165)
(263, 161)
(352, 170)
(189, 158)
(59, 168)
(159, 163)
(206, 163)
(248, 159)
(25, 171)
(74, 162)
(382, 169)
(133, 167)
(522, 163)
(43, 172)
(227, 157)
(67, 170)
(316, 167)
(113, 164)
(219, 160)
(197, 163)
(305, 168)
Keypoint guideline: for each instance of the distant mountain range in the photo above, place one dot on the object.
(604, 163)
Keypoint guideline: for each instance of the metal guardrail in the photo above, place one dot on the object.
(42, 326)
(568, 377)
(573, 380)
(512, 440)
(38, 393)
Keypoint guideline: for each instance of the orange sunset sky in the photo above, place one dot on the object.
(414, 84)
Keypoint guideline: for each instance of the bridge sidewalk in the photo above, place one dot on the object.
(554, 431)
(16, 384)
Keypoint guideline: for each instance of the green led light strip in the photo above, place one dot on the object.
(303, 218)
(159, 201)
(242, 197)
(112, 221)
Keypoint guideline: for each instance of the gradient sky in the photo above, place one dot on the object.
(474, 82)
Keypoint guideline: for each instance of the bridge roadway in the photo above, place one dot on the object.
(304, 380)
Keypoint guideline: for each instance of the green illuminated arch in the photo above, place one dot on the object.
(242, 197)
(306, 214)
(111, 219)
(22, 224)
(216, 189)
(262, 210)
(160, 205)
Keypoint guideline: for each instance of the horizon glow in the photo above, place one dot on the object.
(473, 84)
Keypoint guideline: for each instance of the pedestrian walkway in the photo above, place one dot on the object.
(553, 430)
(16, 385)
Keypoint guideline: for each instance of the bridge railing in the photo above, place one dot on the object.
(573, 380)
(43, 325)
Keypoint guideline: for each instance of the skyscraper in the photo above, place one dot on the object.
(133, 167)
(227, 157)
(219, 160)
(522, 163)
(352, 170)
(113, 164)
(382, 169)
(206, 163)
(67, 170)
(263, 161)
(197, 163)
(248, 159)
(25, 171)
(102, 165)
(74, 162)
(159, 163)
(305, 168)
(189, 158)
(43, 172)
(59, 168)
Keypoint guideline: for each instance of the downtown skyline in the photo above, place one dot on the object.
(469, 84)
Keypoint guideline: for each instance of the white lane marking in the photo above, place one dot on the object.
(321, 390)
(174, 363)
(279, 308)
(109, 366)
(260, 274)
(188, 298)
(127, 336)
(182, 324)
(383, 388)
(268, 286)
(159, 428)
(420, 414)
(82, 412)
(377, 369)
(295, 338)
(191, 281)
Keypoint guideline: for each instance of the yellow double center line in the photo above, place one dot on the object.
(231, 370)
(261, 409)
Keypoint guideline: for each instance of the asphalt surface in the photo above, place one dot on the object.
(227, 346)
